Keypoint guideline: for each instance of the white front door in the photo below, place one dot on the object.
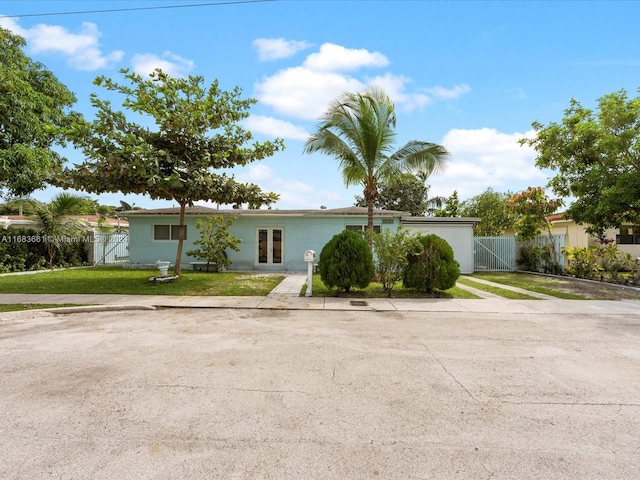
(270, 244)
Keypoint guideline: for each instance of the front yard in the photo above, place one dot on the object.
(117, 280)
(562, 287)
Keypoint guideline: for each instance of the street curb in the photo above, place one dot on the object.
(96, 308)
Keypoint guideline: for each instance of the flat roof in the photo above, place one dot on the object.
(200, 210)
(435, 220)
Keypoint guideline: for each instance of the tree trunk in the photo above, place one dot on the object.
(178, 265)
(370, 221)
(51, 253)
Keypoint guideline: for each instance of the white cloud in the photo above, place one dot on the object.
(395, 86)
(82, 48)
(12, 25)
(306, 90)
(302, 93)
(443, 93)
(294, 194)
(168, 62)
(486, 158)
(276, 48)
(336, 58)
(273, 127)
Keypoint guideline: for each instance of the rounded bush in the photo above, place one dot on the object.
(434, 268)
(346, 261)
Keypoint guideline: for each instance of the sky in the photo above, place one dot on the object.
(469, 75)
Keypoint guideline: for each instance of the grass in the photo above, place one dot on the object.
(502, 292)
(19, 307)
(116, 280)
(375, 290)
(533, 283)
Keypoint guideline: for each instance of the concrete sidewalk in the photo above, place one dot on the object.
(286, 296)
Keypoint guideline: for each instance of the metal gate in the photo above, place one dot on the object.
(494, 254)
(109, 248)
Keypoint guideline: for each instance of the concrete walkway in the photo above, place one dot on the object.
(287, 297)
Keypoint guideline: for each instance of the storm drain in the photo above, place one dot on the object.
(358, 303)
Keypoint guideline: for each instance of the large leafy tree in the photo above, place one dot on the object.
(195, 137)
(31, 101)
(405, 192)
(597, 158)
(450, 207)
(491, 207)
(531, 209)
(358, 130)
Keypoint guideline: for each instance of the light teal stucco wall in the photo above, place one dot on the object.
(301, 233)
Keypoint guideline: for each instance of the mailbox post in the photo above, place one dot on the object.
(309, 257)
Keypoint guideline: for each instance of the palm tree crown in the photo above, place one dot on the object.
(358, 130)
(56, 223)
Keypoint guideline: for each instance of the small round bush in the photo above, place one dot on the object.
(434, 268)
(346, 261)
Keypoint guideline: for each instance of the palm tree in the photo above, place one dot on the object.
(55, 223)
(358, 130)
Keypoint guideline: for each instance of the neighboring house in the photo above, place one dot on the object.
(93, 222)
(101, 247)
(626, 238)
(272, 240)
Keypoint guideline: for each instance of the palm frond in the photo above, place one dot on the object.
(423, 158)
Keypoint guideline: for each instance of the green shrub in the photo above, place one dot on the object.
(530, 257)
(433, 268)
(391, 250)
(346, 261)
(614, 262)
(582, 262)
(604, 259)
(23, 249)
(214, 239)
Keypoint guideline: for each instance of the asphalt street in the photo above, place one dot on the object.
(310, 393)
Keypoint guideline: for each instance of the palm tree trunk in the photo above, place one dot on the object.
(370, 221)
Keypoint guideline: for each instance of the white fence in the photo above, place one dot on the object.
(110, 248)
(494, 254)
(559, 242)
(498, 254)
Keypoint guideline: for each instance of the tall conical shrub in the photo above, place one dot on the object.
(346, 261)
(434, 268)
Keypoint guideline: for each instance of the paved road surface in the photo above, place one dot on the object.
(458, 391)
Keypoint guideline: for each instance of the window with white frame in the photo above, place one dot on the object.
(168, 232)
(362, 228)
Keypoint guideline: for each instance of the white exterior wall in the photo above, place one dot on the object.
(458, 235)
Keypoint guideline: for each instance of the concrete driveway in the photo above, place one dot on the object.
(270, 394)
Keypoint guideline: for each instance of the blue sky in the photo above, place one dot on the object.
(470, 75)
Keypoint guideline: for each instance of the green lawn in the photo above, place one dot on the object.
(502, 292)
(535, 283)
(374, 290)
(116, 280)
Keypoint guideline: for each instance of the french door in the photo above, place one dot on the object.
(270, 246)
